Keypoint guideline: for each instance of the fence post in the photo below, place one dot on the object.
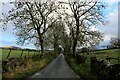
(28, 53)
(93, 62)
(34, 53)
(25, 56)
(118, 60)
(9, 53)
(21, 54)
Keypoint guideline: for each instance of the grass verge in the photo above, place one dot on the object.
(83, 70)
(26, 67)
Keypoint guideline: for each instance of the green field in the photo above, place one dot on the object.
(84, 69)
(25, 67)
(103, 54)
(14, 53)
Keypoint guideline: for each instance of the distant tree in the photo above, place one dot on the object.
(53, 35)
(66, 43)
(114, 43)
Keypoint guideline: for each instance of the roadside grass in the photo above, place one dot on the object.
(83, 70)
(0, 64)
(27, 67)
(0, 76)
(0, 54)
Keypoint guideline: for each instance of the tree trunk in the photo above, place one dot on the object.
(55, 45)
(41, 42)
(55, 48)
(76, 38)
(74, 46)
(42, 48)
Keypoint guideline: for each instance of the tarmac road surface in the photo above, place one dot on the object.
(58, 68)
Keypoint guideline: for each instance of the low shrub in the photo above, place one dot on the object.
(103, 71)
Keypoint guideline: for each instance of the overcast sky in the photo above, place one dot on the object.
(7, 38)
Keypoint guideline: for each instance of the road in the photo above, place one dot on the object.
(58, 68)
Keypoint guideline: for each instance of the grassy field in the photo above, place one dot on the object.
(22, 68)
(114, 53)
(84, 69)
(14, 53)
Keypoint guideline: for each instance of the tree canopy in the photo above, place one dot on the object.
(48, 24)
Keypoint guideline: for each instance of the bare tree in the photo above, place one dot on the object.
(38, 23)
(85, 14)
(31, 20)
